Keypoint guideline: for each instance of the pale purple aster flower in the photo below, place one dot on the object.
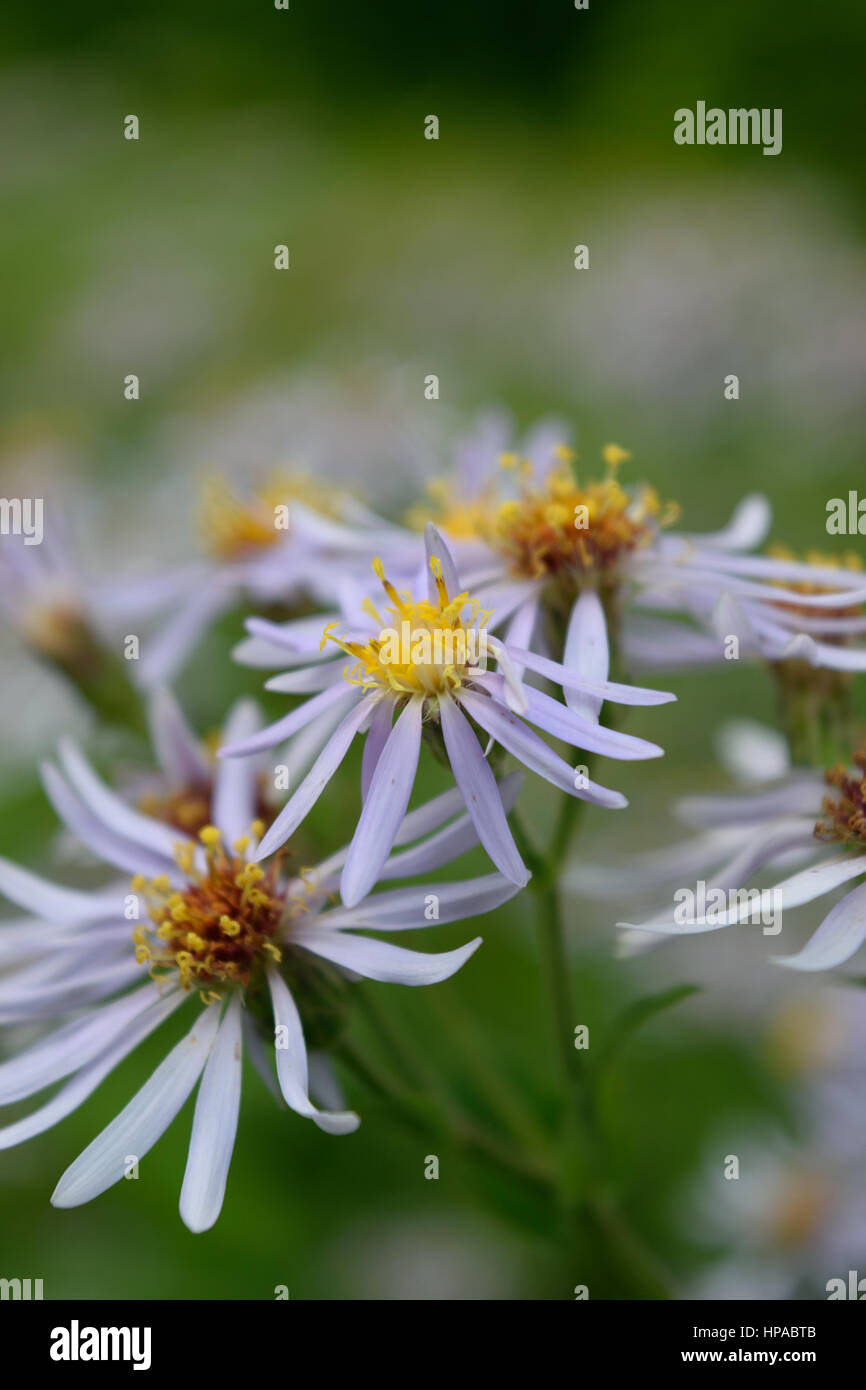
(804, 818)
(372, 670)
(45, 595)
(528, 533)
(790, 1225)
(793, 1221)
(778, 609)
(208, 923)
(271, 545)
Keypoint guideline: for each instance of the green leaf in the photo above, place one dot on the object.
(634, 1018)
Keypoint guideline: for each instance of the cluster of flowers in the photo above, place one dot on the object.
(537, 579)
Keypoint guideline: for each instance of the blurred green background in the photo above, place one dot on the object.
(411, 257)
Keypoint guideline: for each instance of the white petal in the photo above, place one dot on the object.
(379, 960)
(841, 933)
(374, 744)
(652, 643)
(324, 1082)
(261, 1059)
(235, 789)
(731, 618)
(654, 868)
(429, 816)
(50, 1000)
(477, 784)
(111, 809)
(752, 752)
(112, 849)
(292, 1063)
(404, 909)
(607, 690)
(70, 1047)
(448, 843)
(143, 1121)
(214, 1126)
(303, 681)
(522, 625)
(336, 693)
(523, 743)
(178, 751)
(579, 730)
(436, 547)
(301, 636)
(800, 795)
(514, 691)
(385, 807)
(62, 905)
(301, 751)
(316, 779)
(163, 655)
(748, 527)
(85, 1081)
(800, 888)
(586, 651)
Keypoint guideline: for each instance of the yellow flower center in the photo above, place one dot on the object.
(555, 526)
(188, 809)
(232, 526)
(799, 1210)
(58, 629)
(423, 648)
(219, 929)
(848, 562)
(463, 520)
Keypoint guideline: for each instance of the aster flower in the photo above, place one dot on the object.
(780, 609)
(539, 543)
(794, 1220)
(202, 921)
(806, 818)
(426, 660)
(64, 618)
(46, 598)
(282, 540)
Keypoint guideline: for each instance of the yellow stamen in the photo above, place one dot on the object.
(428, 648)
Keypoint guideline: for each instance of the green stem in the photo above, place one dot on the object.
(489, 1079)
(582, 1188)
(461, 1127)
(631, 1252)
(556, 973)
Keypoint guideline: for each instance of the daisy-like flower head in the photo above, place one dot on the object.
(794, 1220)
(800, 616)
(798, 819)
(182, 788)
(279, 541)
(44, 597)
(539, 541)
(425, 661)
(524, 521)
(206, 923)
(547, 525)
